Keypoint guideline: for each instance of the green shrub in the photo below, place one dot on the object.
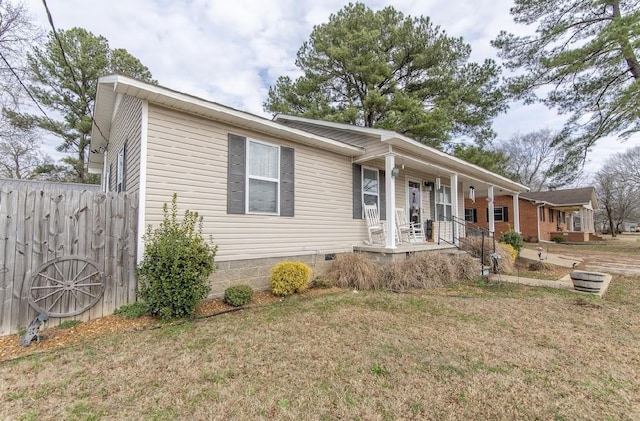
(133, 310)
(289, 277)
(558, 239)
(540, 266)
(238, 295)
(514, 239)
(176, 264)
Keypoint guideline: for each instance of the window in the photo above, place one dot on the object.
(263, 177)
(471, 215)
(120, 170)
(260, 177)
(371, 187)
(500, 214)
(550, 215)
(542, 213)
(443, 204)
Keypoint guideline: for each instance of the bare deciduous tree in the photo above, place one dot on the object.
(536, 162)
(17, 32)
(618, 198)
(20, 154)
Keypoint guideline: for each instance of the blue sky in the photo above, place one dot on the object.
(232, 51)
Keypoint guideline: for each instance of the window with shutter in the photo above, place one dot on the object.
(260, 177)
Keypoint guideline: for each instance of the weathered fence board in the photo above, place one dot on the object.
(40, 222)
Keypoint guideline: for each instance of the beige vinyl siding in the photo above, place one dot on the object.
(126, 128)
(188, 155)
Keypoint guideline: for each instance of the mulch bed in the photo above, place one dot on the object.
(54, 337)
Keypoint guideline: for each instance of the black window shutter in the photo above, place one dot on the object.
(383, 195)
(488, 215)
(475, 215)
(236, 174)
(286, 181)
(110, 185)
(505, 214)
(357, 191)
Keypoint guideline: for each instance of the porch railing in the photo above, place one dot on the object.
(455, 230)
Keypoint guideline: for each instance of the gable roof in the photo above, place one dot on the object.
(110, 87)
(358, 135)
(565, 197)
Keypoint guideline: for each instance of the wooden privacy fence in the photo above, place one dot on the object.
(69, 250)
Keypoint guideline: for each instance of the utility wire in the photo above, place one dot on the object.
(73, 75)
(23, 85)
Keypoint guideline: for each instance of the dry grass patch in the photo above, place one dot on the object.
(462, 352)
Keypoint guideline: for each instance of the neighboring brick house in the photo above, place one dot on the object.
(566, 213)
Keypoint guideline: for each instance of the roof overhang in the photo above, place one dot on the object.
(426, 157)
(109, 87)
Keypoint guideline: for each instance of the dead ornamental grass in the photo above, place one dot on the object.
(373, 355)
(473, 245)
(418, 271)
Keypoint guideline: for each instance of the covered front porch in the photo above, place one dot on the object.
(430, 187)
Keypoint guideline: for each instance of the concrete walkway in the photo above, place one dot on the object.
(554, 259)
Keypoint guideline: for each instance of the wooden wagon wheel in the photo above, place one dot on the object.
(66, 286)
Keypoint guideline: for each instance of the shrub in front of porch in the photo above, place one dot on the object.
(429, 271)
(514, 239)
(356, 271)
(474, 247)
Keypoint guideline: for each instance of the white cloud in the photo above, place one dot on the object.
(231, 52)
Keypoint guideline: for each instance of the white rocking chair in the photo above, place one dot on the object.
(374, 225)
(407, 229)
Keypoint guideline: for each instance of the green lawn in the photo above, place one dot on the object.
(481, 351)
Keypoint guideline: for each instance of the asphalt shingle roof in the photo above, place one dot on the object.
(562, 197)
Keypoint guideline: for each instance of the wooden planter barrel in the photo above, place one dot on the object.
(587, 281)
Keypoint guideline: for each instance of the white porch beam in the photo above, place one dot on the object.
(516, 211)
(390, 188)
(492, 222)
(454, 207)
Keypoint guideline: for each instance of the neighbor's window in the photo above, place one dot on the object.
(371, 187)
(551, 215)
(263, 177)
(443, 204)
(120, 171)
(470, 215)
(542, 213)
(499, 214)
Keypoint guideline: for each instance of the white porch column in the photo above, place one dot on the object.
(492, 223)
(390, 187)
(583, 220)
(454, 208)
(516, 213)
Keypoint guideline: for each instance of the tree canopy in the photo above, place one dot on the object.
(382, 69)
(584, 54)
(67, 82)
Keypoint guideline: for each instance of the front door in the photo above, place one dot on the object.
(415, 203)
